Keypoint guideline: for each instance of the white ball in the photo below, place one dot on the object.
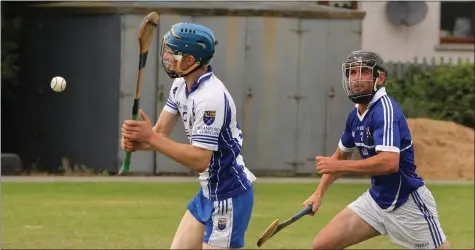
(58, 84)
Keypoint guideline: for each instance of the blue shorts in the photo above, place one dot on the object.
(226, 220)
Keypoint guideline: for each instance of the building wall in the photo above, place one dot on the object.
(400, 43)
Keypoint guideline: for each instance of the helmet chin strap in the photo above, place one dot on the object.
(184, 73)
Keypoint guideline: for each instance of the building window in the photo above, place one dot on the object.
(353, 5)
(457, 22)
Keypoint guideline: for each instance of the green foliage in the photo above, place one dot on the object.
(443, 92)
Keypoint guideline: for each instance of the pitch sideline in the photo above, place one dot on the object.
(174, 179)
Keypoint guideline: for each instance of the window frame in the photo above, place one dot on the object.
(458, 40)
(327, 3)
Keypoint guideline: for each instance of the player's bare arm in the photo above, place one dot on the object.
(381, 164)
(190, 156)
(166, 123)
(328, 179)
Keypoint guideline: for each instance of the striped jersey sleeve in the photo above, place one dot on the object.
(386, 127)
(171, 104)
(209, 113)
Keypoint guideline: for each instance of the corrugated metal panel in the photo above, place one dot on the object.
(313, 79)
(228, 62)
(344, 37)
(143, 161)
(269, 113)
(265, 63)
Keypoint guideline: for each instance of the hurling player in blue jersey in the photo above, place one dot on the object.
(218, 216)
(398, 203)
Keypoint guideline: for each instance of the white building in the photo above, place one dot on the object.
(431, 38)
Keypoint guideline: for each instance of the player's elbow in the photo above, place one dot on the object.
(393, 168)
(201, 167)
(203, 158)
(201, 164)
(391, 162)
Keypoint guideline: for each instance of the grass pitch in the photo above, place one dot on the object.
(145, 215)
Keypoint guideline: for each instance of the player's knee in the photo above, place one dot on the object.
(323, 243)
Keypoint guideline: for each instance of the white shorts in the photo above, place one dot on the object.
(414, 225)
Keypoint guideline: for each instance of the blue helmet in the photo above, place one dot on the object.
(188, 39)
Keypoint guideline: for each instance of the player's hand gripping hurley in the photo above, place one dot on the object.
(275, 227)
(145, 35)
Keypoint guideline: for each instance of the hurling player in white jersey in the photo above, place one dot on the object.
(218, 216)
(398, 203)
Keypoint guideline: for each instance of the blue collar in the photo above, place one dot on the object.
(206, 76)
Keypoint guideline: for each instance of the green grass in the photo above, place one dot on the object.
(145, 215)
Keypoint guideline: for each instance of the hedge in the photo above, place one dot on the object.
(443, 92)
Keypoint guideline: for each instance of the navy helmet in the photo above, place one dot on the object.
(188, 39)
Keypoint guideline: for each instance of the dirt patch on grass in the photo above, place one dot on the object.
(443, 150)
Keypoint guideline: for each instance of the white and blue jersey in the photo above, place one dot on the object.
(383, 127)
(225, 201)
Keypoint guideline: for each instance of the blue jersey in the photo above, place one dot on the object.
(383, 127)
(209, 116)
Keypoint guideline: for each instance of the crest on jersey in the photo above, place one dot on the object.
(368, 133)
(209, 117)
(222, 224)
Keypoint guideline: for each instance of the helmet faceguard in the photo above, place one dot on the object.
(360, 70)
